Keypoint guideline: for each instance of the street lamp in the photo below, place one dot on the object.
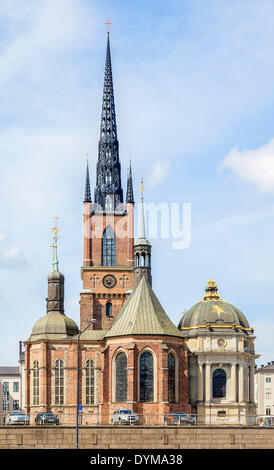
(77, 380)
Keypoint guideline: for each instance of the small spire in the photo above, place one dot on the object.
(211, 291)
(142, 214)
(87, 188)
(130, 197)
(54, 245)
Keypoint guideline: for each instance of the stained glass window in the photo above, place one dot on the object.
(59, 382)
(171, 378)
(109, 247)
(146, 377)
(121, 377)
(35, 383)
(89, 382)
(219, 383)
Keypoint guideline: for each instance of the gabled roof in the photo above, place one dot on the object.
(143, 314)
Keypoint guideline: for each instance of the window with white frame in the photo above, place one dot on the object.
(268, 393)
(35, 383)
(89, 382)
(59, 382)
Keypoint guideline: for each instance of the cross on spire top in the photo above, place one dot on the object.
(108, 23)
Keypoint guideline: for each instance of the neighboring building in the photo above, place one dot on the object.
(221, 360)
(264, 389)
(131, 356)
(12, 387)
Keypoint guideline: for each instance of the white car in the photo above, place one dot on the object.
(17, 417)
(124, 417)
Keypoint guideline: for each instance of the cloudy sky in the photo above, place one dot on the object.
(195, 108)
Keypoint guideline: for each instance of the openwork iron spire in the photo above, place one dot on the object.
(87, 187)
(130, 197)
(108, 191)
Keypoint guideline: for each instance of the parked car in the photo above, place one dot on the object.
(124, 417)
(47, 418)
(179, 418)
(17, 417)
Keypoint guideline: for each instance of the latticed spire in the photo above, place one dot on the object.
(87, 187)
(108, 191)
(130, 197)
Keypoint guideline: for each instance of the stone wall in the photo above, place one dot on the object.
(107, 437)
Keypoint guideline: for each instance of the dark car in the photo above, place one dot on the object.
(179, 418)
(47, 418)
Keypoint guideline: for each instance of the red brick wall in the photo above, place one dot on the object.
(102, 354)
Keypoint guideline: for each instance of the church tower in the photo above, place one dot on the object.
(108, 264)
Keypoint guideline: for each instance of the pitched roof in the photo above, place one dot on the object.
(9, 370)
(143, 314)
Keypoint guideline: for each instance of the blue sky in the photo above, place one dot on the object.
(194, 101)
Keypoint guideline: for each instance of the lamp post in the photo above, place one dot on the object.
(77, 379)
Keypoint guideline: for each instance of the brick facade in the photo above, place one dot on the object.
(103, 354)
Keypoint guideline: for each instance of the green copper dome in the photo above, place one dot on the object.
(54, 325)
(215, 313)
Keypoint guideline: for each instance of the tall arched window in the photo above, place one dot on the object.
(146, 377)
(171, 378)
(109, 247)
(59, 382)
(35, 383)
(121, 377)
(89, 382)
(109, 309)
(219, 383)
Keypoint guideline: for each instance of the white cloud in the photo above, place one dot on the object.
(255, 166)
(11, 254)
(159, 172)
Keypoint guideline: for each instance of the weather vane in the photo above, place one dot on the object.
(108, 23)
(54, 245)
(142, 189)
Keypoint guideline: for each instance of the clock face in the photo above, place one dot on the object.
(109, 281)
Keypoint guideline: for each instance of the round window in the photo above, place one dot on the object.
(221, 342)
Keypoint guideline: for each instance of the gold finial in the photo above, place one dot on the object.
(54, 245)
(211, 291)
(142, 189)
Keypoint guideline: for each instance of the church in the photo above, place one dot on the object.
(128, 352)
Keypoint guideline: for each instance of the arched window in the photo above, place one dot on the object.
(109, 247)
(143, 259)
(109, 309)
(137, 260)
(35, 383)
(171, 378)
(219, 383)
(121, 377)
(89, 382)
(59, 382)
(146, 377)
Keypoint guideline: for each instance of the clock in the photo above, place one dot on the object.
(109, 281)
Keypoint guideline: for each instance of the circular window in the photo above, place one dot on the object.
(221, 342)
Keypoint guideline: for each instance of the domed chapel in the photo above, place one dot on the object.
(128, 353)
